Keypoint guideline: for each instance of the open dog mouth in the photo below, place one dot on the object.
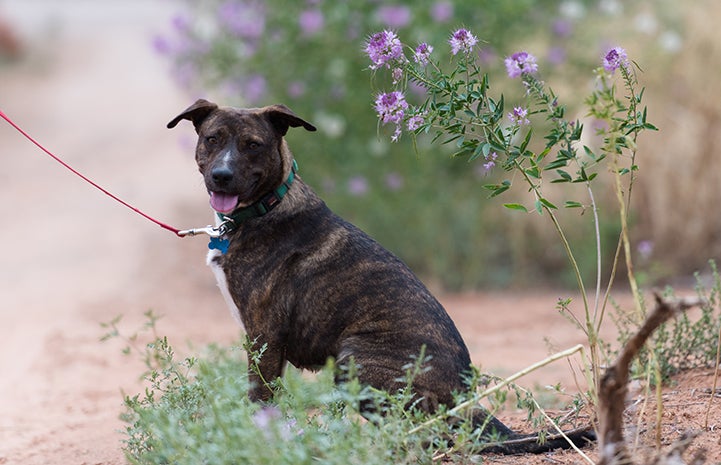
(226, 202)
(222, 202)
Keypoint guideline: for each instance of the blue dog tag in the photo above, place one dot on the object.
(219, 244)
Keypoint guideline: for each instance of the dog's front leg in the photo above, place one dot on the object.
(263, 371)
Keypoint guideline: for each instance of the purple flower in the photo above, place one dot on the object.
(490, 161)
(395, 16)
(414, 122)
(614, 59)
(520, 63)
(266, 419)
(519, 116)
(311, 22)
(245, 19)
(162, 45)
(296, 89)
(562, 28)
(383, 47)
(391, 107)
(265, 416)
(422, 53)
(181, 23)
(357, 186)
(442, 12)
(254, 88)
(396, 134)
(462, 41)
(645, 249)
(557, 55)
(394, 181)
(397, 75)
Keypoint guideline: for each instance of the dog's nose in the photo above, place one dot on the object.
(222, 175)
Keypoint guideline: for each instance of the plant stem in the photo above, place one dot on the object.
(474, 400)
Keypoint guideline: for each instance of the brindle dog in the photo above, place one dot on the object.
(311, 285)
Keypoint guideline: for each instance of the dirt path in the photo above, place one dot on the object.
(92, 90)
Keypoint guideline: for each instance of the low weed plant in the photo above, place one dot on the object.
(687, 342)
(196, 410)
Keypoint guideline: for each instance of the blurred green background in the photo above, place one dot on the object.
(431, 209)
(428, 208)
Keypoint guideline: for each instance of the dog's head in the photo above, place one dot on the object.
(241, 151)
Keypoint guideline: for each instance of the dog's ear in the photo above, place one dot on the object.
(196, 113)
(283, 118)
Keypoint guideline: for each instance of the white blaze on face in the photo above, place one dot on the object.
(221, 201)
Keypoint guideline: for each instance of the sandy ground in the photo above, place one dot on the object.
(92, 90)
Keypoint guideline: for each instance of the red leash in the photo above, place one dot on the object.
(57, 159)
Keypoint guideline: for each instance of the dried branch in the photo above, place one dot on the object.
(613, 389)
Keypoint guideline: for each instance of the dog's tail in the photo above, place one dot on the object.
(508, 442)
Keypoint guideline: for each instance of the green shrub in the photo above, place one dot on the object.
(196, 411)
(686, 342)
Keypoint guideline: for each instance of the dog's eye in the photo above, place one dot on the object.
(212, 140)
(253, 145)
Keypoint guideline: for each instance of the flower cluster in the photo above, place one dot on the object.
(270, 421)
(490, 161)
(519, 116)
(386, 50)
(383, 48)
(422, 54)
(614, 59)
(521, 63)
(462, 41)
(391, 108)
(415, 122)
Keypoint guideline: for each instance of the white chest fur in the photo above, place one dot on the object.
(213, 263)
(213, 260)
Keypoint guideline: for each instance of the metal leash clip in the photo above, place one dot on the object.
(213, 231)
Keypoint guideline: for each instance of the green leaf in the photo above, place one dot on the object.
(542, 155)
(533, 172)
(565, 177)
(486, 148)
(539, 207)
(526, 141)
(495, 145)
(497, 189)
(571, 204)
(477, 151)
(548, 204)
(650, 126)
(516, 206)
(557, 163)
(451, 139)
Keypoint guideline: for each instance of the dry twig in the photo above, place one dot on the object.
(613, 389)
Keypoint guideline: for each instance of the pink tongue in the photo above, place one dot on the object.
(223, 203)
